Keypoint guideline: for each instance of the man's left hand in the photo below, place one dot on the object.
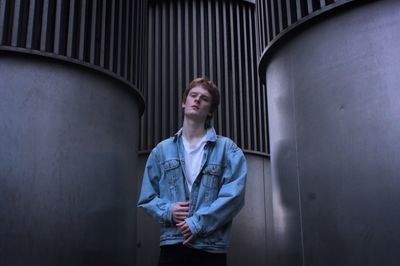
(185, 231)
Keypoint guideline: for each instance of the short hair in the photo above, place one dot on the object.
(211, 88)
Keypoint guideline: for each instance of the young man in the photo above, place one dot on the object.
(194, 184)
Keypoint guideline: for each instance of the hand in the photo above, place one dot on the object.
(186, 232)
(180, 212)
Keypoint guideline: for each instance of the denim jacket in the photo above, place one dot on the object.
(216, 197)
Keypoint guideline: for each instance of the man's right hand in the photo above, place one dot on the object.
(180, 211)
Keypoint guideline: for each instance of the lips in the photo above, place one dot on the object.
(196, 107)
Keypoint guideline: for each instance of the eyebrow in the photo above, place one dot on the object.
(204, 95)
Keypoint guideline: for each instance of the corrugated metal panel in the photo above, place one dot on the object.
(277, 17)
(216, 39)
(95, 33)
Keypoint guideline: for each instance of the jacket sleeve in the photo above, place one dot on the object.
(149, 198)
(230, 198)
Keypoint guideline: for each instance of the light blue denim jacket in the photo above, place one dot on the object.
(217, 194)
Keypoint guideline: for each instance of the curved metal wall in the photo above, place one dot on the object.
(71, 75)
(67, 165)
(106, 35)
(332, 99)
(217, 39)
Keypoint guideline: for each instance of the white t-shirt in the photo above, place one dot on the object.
(193, 158)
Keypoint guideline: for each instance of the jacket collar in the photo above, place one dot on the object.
(211, 135)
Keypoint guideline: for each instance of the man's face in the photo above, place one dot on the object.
(198, 104)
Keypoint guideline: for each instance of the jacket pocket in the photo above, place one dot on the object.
(211, 176)
(210, 182)
(172, 173)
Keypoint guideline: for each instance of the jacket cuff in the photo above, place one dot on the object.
(193, 226)
(168, 215)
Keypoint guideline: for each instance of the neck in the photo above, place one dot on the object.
(193, 131)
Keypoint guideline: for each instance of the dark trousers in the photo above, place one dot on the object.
(180, 255)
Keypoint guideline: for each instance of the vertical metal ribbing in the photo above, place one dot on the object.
(322, 3)
(150, 81)
(298, 9)
(137, 28)
(288, 12)
(119, 38)
(309, 7)
(232, 96)
(218, 54)
(194, 32)
(135, 41)
(203, 38)
(267, 21)
(225, 91)
(29, 33)
(71, 31)
(187, 48)
(16, 20)
(146, 126)
(103, 32)
(132, 40)
(128, 33)
(157, 73)
(280, 16)
(202, 41)
(111, 40)
(173, 106)
(2, 18)
(253, 18)
(81, 47)
(92, 46)
(142, 51)
(142, 48)
(273, 18)
(262, 22)
(93, 32)
(259, 21)
(43, 33)
(241, 26)
(253, 70)
(164, 90)
(71, 21)
(245, 114)
(144, 132)
(57, 28)
(211, 53)
(180, 60)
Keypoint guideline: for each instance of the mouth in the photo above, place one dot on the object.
(196, 107)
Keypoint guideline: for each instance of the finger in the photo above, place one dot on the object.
(186, 234)
(181, 208)
(184, 204)
(182, 212)
(188, 240)
(186, 230)
(177, 220)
